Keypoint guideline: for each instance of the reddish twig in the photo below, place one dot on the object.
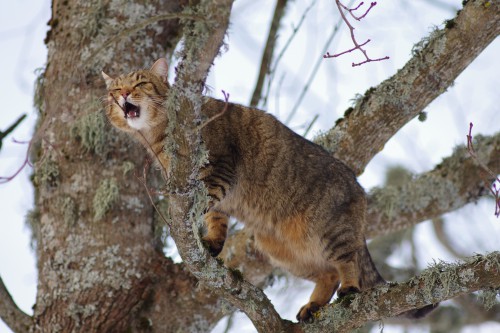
(143, 181)
(357, 46)
(26, 161)
(226, 98)
(493, 188)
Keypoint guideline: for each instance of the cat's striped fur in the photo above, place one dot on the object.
(305, 207)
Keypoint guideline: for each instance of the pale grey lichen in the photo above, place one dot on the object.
(490, 297)
(67, 207)
(127, 166)
(90, 130)
(46, 172)
(105, 196)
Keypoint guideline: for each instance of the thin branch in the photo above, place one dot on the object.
(283, 50)
(493, 188)
(312, 76)
(267, 55)
(226, 99)
(15, 318)
(455, 182)
(11, 128)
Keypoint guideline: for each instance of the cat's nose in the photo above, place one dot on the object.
(125, 94)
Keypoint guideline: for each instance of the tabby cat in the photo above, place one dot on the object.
(304, 207)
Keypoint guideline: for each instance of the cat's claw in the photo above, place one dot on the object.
(306, 313)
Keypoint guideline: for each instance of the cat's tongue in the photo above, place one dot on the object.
(131, 110)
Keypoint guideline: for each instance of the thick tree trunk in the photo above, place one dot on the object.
(99, 268)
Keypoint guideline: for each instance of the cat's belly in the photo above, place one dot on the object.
(302, 257)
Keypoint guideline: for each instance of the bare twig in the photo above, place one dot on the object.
(3, 134)
(10, 313)
(493, 187)
(285, 47)
(312, 76)
(341, 7)
(143, 181)
(267, 55)
(226, 99)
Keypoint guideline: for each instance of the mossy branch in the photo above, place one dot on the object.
(15, 318)
(189, 197)
(440, 282)
(452, 184)
(384, 110)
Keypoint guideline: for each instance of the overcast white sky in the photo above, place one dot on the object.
(393, 28)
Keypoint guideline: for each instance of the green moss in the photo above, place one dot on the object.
(422, 116)
(450, 24)
(348, 112)
(91, 131)
(236, 273)
(106, 195)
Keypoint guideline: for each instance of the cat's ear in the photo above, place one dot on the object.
(160, 68)
(108, 79)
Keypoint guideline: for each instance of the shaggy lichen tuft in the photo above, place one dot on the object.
(90, 130)
(105, 196)
(46, 172)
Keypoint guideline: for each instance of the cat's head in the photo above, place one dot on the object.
(135, 100)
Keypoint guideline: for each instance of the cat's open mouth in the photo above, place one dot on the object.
(131, 110)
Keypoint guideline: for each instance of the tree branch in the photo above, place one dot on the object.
(438, 283)
(388, 107)
(15, 318)
(454, 183)
(267, 55)
(11, 128)
(188, 200)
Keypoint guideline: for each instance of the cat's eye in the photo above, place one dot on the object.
(141, 84)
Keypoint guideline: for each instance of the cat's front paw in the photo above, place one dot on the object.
(214, 246)
(306, 313)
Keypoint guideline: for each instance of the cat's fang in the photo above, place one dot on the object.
(131, 110)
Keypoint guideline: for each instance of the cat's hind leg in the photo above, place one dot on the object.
(326, 285)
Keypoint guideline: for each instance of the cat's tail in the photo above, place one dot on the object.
(370, 277)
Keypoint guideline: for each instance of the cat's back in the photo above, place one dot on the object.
(278, 171)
